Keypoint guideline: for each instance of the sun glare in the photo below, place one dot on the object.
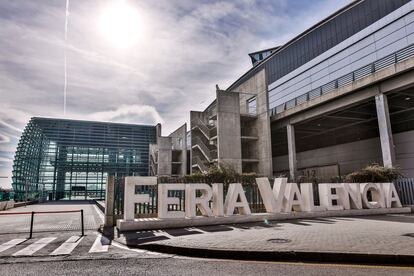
(120, 24)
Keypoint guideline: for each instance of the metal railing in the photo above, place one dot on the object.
(346, 79)
(153, 165)
(46, 212)
(150, 209)
(205, 129)
(196, 160)
(205, 150)
(202, 127)
(405, 190)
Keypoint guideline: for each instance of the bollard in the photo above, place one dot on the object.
(83, 229)
(31, 225)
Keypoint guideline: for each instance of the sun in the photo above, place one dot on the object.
(120, 24)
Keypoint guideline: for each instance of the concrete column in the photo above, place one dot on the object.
(384, 125)
(228, 130)
(164, 156)
(292, 151)
(109, 201)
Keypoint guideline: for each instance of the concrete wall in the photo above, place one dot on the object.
(261, 126)
(404, 152)
(179, 142)
(164, 156)
(228, 130)
(353, 156)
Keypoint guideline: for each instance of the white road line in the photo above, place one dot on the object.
(116, 244)
(198, 230)
(68, 246)
(161, 234)
(29, 250)
(10, 244)
(101, 244)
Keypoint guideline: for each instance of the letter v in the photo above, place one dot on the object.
(272, 200)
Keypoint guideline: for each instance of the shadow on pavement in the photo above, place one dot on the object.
(141, 237)
(393, 218)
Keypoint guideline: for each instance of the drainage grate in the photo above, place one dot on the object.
(279, 240)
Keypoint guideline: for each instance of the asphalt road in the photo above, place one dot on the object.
(182, 266)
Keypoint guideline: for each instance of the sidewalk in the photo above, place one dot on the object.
(369, 239)
(14, 224)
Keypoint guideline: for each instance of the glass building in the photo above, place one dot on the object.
(70, 159)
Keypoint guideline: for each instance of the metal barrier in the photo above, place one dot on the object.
(347, 79)
(46, 212)
(405, 190)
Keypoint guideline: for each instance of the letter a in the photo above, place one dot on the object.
(235, 191)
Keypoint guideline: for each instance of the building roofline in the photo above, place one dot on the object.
(211, 104)
(264, 50)
(299, 36)
(90, 121)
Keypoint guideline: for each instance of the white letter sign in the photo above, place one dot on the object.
(130, 198)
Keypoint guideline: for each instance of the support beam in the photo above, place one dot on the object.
(292, 151)
(109, 201)
(384, 125)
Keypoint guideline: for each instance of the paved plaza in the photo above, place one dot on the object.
(51, 222)
(386, 234)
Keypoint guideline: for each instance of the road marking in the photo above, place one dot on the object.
(119, 245)
(10, 244)
(29, 250)
(197, 229)
(101, 244)
(68, 246)
(160, 233)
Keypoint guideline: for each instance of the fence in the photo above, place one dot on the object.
(48, 212)
(347, 79)
(148, 210)
(405, 190)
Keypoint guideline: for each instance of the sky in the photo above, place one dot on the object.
(180, 51)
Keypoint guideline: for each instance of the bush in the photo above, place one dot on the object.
(374, 173)
(213, 175)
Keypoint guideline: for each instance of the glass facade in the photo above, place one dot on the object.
(68, 159)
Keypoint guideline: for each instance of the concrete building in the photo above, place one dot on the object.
(335, 98)
(168, 157)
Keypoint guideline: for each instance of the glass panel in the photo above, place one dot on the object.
(251, 106)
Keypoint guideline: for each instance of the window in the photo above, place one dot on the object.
(251, 106)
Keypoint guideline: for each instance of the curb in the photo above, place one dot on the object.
(296, 256)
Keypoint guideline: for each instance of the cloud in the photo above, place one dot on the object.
(189, 46)
(134, 114)
(4, 139)
(3, 159)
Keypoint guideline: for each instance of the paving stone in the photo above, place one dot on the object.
(390, 234)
